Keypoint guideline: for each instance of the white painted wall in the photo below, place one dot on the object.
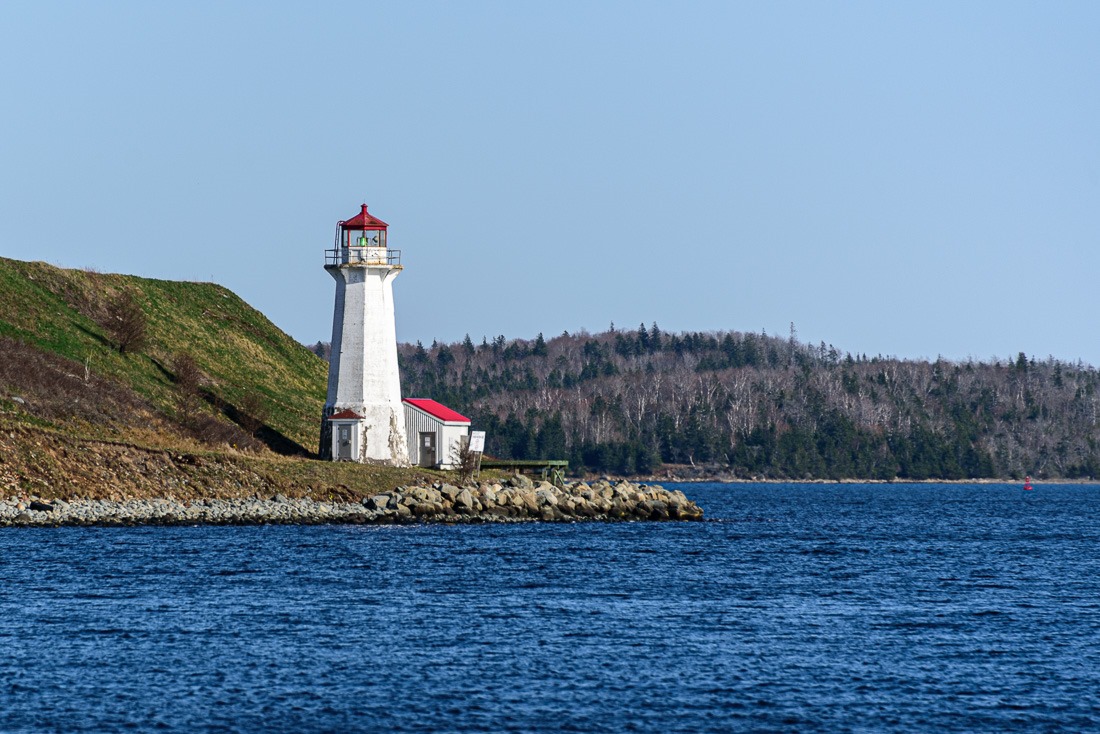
(450, 436)
(447, 435)
(363, 375)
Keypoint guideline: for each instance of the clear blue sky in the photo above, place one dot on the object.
(911, 179)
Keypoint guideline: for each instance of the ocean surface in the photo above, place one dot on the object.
(795, 607)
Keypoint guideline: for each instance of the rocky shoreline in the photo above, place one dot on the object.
(515, 500)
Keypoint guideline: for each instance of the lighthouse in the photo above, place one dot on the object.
(363, 418)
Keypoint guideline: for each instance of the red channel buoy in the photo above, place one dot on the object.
(1027, 483)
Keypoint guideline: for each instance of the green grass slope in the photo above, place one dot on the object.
(56, 316)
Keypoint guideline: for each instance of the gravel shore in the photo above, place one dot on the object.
(515, 500)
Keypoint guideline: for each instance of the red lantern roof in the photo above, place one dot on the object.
(437, 410)
(364, 221)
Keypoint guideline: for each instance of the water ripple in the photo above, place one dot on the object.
(794, 608)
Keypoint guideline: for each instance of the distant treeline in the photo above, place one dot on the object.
(755, 405)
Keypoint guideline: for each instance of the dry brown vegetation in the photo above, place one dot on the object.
(57, 389)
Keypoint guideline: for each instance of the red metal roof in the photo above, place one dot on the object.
(345, 414)
(364, 221)
(437, 410)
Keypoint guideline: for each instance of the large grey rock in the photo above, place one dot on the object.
(427, 509)
(426, 494)
(619, 509)
(521, 481)
(527, 501)
(657, 510)
(584, 509)
(377, 502)
(465, 502)
(488, 496)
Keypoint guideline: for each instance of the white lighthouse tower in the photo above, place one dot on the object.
(363, 419)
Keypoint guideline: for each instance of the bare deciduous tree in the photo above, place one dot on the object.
(125, 322)
(464, 460)
(252, 413)
(189, 379)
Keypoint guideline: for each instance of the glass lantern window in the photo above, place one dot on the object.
(367, 238)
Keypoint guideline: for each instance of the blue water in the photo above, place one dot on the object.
(795, 608)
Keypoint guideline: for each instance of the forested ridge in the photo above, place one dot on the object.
(754, 405)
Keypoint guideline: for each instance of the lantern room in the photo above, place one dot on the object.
(362, 240)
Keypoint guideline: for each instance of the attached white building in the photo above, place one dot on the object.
(347, 435)
(435, 432)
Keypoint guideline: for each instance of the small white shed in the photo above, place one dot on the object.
(435, 432)
(347, 436)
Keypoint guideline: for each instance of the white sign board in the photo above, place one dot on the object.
(477, 441)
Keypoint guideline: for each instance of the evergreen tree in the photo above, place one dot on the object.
(655, 338)
(539, 350)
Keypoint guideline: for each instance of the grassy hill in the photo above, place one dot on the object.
(79, 417)
(238, 350)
